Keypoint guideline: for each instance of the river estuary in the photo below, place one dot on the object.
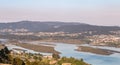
(68, 50)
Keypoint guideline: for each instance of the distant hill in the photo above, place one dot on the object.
(36, 26)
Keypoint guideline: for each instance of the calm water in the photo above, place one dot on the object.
(94, 59)
(68, 50)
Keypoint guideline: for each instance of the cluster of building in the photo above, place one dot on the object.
(23, 33)
(11, 30)
(56, 34)
(104, 39)
(116, 32)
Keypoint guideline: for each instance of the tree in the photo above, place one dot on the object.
(28, 62)
(4, 55)
(55, 56)
(71, 60)
(39, 58)
(35, 63)
(6, 50)
(35, 57)
(43, 63)
(18, 61)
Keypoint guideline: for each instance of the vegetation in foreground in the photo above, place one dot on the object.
(9, 57)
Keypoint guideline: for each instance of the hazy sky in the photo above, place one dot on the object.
(100, 12)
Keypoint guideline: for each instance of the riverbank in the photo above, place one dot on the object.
(78, 41)
(38, 48)
(10, 57)
(95, 50)
(69, 41)
(68, 50)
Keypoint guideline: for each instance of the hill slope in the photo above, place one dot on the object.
(35, 26)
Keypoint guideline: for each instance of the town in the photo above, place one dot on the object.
(24, 38)
(111, 39)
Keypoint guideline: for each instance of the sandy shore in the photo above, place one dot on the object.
(95, 50)
(38, 48)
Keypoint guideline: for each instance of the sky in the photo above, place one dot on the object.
(96, 12)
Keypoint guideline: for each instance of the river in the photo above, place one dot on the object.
(68, 50)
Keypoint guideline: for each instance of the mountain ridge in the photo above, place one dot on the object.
(55, 26)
